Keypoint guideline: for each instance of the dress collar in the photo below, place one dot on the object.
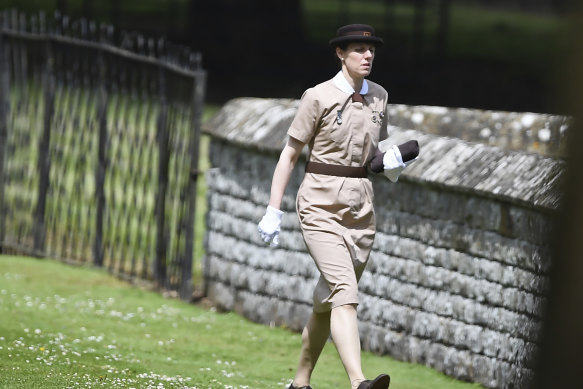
(342, 84)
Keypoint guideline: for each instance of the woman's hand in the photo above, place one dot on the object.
(269, 226)
(395, 159)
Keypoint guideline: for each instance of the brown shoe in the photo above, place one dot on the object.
(381, 382)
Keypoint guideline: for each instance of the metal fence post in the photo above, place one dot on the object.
(44, 153)
(101, 165)
(4, 109)
(197, 111)
(163, 161)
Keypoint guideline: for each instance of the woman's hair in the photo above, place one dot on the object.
(343, 46)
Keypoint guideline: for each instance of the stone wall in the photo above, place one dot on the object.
(521, 131)
(458, 276)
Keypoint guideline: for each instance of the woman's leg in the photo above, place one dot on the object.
(314, 337)
(344, 329)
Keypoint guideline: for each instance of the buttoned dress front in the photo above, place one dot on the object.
(336, 213)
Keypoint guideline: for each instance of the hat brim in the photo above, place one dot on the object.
(356, 38)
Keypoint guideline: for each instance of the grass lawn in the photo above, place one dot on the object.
(78, 327)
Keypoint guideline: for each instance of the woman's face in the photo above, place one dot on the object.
(357, 58)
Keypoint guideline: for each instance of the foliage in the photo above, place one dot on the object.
(485, 34)
(510, 53)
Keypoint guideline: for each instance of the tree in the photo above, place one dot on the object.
(343, 14)
(443, 29)
(418, 26)
(88, 10)
(253, 39)
(62, 6)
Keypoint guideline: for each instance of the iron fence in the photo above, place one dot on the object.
(99, 147)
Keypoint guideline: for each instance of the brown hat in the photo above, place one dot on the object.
(355, 33)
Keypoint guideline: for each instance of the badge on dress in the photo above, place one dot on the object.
(377, 116)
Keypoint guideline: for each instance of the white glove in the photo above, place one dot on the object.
(269, 226)
(393, 163)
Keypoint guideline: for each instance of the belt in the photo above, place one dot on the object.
(336, 170)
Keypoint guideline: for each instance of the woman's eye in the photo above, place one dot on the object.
(364, 49)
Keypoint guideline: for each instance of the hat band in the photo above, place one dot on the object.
(359, 33)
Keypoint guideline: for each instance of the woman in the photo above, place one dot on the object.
(335, 200)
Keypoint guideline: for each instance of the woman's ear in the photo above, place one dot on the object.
(340, 53)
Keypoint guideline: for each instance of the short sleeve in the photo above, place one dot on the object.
(305, 122)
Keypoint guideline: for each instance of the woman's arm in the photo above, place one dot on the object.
(269, 225)
(287, 161)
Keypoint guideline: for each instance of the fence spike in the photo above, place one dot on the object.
(151, 47)
(124, 40)
(196, 60)
(102, 33)
(65, 24)
(34, 24)
(185, 63)
(74, 32)
(42, 23)
(140, 45)
(162, 48)
(23, 24)
(14, 19)
(83, 28)
(58, 22)
(92, 30)
(110, 33)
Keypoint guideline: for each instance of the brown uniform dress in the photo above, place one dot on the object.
(336, 213)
